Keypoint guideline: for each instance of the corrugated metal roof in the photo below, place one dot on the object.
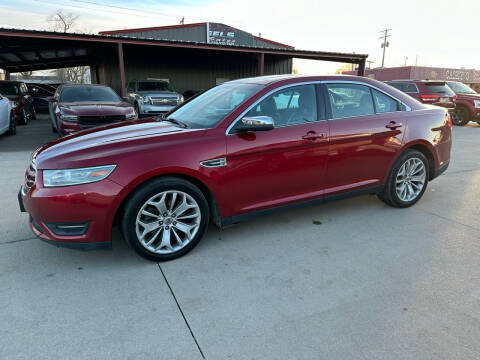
(86, 36)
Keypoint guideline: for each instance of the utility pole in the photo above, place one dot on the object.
(406, 59)
(385, 43)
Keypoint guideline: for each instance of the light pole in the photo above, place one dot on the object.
(385, 43)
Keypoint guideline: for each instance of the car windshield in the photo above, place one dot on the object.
(9, 89)
(88, 94)
(154, 86)
(461, 88)
(211, 107)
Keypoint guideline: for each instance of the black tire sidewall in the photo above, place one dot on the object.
(391, 193)
(462, 121)
(12, 127)
(24, 117)
(145, 192)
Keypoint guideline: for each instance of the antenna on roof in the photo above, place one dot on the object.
(182, 21)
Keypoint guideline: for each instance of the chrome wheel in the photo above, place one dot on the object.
(410, 179)
(167, 222)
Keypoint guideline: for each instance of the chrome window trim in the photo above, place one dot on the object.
(233, 123)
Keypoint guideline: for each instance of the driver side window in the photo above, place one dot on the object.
(291, 106)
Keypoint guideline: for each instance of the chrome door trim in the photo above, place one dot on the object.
(234, 122)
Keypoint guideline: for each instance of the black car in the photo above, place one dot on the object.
(40, 94)
(21, 99)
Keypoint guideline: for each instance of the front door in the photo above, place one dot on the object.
(283, 165)
(366, 132)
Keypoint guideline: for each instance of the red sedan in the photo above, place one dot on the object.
(241, 149)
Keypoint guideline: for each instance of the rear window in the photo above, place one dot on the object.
(438, 88)
(9, 89)
(405, 86)
(88, 94)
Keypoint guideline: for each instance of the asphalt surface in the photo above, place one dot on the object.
(354, 279)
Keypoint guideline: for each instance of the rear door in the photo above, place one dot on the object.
(366, 132)
(283, 165)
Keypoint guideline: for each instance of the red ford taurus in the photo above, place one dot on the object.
(241, 149)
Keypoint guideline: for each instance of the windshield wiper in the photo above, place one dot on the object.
(173, 121)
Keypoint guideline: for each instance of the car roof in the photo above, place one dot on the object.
(273, 79)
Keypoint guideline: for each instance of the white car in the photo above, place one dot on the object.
(7, 120)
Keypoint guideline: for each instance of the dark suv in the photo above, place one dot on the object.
(468, 103)
(22, 101)
(428, 92)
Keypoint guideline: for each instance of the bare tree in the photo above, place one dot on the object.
(62, 21)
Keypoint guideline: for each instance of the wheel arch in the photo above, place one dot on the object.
(429, 154)
(206, 191)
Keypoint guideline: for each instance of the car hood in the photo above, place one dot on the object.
(157, 93)
(96, 108)
(106, 144)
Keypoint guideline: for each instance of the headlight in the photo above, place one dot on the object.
(131, 115)
(145, 99)
(180, 99)
(477, 104)
(52, 178)
(71, 118)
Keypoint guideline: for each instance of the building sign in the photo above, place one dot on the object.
(222, 34)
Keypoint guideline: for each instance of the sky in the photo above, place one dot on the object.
(431, 33)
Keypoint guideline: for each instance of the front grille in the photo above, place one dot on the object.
(89, 121)
(163, 101)
(30, 177)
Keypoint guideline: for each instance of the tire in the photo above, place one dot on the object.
(137, 110)
(12, 128)
(148, 242)
(418, 163)
(24, 118)
(34, 115)
(461, 117)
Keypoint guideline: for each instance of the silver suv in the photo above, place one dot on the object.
(152, 97)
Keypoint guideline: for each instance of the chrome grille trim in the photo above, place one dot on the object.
(213, 163)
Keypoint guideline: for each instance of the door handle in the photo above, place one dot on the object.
(313, 136)
(393, 125)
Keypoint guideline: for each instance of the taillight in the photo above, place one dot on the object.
(429, 97)
(449, 120)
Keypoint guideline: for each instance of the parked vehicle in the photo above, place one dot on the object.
(40, 94)
(17, 92)
(468, 103)
(79, 107)
(7, 119)
(428, 92)
(238, 150)
(152, 97)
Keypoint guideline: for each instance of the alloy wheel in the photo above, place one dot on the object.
(410, 179)
(168, 221)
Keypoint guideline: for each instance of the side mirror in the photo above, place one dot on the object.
(51, 99)
(255, 123)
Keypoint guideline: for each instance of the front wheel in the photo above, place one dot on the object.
(407, 180)
(165, 219)
(24, 118)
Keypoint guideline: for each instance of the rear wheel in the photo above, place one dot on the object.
(407, 180)
(461, 117)
(165, 219)
(12, 128)
(137, 110)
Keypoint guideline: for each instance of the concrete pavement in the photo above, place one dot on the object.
(353, 279)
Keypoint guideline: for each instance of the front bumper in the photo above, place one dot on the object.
(147, 109)
(53, 210)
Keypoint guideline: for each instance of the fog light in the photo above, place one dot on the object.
(68, 229)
